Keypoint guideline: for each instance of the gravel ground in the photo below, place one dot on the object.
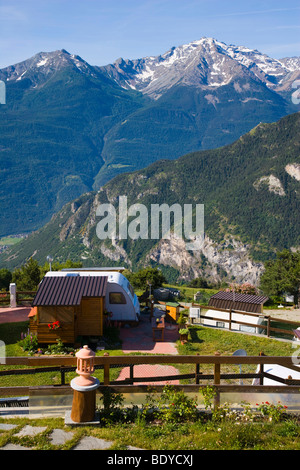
(285, 314)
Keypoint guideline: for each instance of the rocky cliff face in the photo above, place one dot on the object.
(212, 261)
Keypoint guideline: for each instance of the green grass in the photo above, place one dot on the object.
(10, 240)
(187, 293)
(10, 333)
(206, 341)
(188, 436)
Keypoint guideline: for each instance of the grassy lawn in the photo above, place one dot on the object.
(188, 436)
(10, 240)
(187, 293)
(206, 341)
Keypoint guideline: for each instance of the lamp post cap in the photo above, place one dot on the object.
(85, 353)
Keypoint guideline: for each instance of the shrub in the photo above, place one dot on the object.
(113, 410)
(170, 406)
(58, 348)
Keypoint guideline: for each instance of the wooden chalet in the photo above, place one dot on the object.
(67, 307)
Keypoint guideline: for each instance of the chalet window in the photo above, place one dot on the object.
(46, 315)
(117, 298)
(64, 314)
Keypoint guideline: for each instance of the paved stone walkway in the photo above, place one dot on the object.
(57, 437)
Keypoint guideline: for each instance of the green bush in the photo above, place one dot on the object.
(171, 406)
(29, 343)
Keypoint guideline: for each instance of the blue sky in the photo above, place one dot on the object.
(100, 31)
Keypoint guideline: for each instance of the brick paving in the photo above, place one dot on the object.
(140, 339)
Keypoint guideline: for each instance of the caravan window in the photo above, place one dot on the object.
(117, 298)
(131, 289)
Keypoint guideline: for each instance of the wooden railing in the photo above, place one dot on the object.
(133, 385)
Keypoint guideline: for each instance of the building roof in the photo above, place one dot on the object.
(97, 269)
(233, 300)
(69, 290)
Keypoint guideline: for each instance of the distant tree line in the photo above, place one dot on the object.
(144, 278)
(281, 276)
(29, 275)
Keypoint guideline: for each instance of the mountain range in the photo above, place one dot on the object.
(250, 190)
(69, 127)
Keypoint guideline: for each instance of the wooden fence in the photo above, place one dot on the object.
(141, 384)
(268, 328)
(22, 296)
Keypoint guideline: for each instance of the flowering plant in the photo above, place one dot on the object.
(273, 412)
(29, 342)
(54, 326)
(245, 288)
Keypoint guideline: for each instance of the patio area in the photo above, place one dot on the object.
(140, 338)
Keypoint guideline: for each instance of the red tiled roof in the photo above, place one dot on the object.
(69, 290)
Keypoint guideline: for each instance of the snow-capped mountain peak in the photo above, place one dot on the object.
(206, 63)
(43, 65)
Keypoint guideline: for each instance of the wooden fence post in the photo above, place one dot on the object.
(106, 370)
(131, 373)
(197, 372)
(217, 380)
(261, 371)
(62, 375)
(230, 318)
